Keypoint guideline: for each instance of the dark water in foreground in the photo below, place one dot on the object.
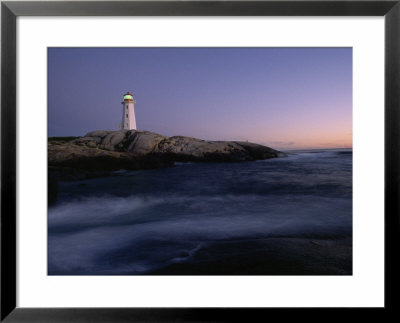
(289, 215)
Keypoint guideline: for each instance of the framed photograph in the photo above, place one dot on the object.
(198, 160)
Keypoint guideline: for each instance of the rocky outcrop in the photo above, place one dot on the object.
(88, 157)
(100, 152)
(131, 149)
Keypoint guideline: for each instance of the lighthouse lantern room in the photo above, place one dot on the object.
(128, 112)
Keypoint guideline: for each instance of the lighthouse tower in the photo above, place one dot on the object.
(128, 112)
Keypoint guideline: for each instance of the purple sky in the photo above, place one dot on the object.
(286, 98)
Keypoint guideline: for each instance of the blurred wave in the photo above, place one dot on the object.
(138, 221)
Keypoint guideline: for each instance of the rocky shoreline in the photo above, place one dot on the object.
(101, 152)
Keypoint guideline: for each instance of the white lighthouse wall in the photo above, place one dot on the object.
(128, 116)
(132, 119)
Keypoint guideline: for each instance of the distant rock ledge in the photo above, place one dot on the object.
(100, 152)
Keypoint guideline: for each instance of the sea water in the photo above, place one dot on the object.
(207, 218)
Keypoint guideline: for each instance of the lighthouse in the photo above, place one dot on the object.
(128, 112)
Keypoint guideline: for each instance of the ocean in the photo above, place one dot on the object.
(282, 216)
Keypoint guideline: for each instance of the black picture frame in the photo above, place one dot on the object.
(10, 10)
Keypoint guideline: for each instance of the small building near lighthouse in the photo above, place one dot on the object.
(128, 112)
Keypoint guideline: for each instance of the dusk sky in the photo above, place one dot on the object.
(285, 98)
